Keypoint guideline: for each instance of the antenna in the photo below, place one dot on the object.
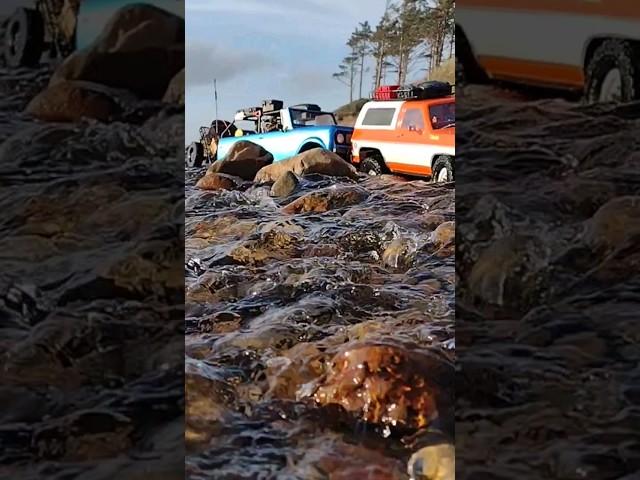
(215, 94)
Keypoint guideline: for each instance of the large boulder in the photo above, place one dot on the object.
(72, 101)
(316, 160)
(243, 160)
(141, 49)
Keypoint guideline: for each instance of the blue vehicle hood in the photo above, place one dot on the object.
(94, 15)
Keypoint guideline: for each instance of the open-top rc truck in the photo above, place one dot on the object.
(283, 131)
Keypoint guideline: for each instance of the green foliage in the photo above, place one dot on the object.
(411, 34)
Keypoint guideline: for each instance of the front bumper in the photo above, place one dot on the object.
(344, 152)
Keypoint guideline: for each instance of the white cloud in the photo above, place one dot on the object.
(204, 63)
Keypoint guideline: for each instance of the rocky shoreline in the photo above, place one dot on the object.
(319, 316)
(91, 289)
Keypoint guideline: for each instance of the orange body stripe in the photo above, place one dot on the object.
(409, 169)
(540, 72)
(628, 9)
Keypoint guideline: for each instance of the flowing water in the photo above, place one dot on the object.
(273, 296)
(91, 293)
(548, 255)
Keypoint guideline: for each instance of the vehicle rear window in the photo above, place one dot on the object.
(443, 115)
(378, 117)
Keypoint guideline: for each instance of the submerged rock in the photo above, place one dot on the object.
(327, 199)
(317, 160)
(614, 224)
(387, 385)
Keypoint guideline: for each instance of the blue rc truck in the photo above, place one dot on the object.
(282, 131)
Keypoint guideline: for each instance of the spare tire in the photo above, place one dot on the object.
(223, 128)
(194, 155)
(24, 38)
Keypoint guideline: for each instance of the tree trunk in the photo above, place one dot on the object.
(361, 74)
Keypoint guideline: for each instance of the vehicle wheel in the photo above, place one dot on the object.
(373, 165)
(442, 170)
(24, 38)
(613, 73)
(194, 155)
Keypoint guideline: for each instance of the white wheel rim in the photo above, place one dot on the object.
(611, 90)
(443, 175)
(372, 172)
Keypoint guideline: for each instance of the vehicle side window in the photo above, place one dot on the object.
(378, 117)
(443, 115)
(413, 120)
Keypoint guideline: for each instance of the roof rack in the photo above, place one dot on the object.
(423, 91)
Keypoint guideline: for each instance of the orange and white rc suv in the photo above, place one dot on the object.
(408, 131)
(588, 46)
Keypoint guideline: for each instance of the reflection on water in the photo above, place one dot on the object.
(276, 301)
(91, 295)
(548, 251)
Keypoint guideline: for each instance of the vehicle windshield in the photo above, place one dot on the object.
(443, 115)
(310, 118)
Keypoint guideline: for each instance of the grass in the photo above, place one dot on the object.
(446, 72)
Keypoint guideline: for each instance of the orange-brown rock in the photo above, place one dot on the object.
(327, 199)
(243, 160)
(387, 385)
(217, 181)
(316, 160)
(72, 101)
(444, 235)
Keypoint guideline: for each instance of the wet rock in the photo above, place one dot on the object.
(298, 366)
(444, 235)
(327, 199)
(175, 92)
(243, 160)
(207, 402)
(388, 385)
(615, 224)
(285, 185)
(400, 253)
(72, 101)
(218, 181)
(317, 160)
(509, 264)
(435, 462)
(431, 221)
(341, 461)
(136, 51)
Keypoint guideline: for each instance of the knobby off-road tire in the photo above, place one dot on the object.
(194, 156)
(24, 38)
(442, 170)
(373, 165)
(612, 55)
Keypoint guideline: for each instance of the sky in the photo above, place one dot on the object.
(261, 49)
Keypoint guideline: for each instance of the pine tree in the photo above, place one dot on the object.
(347, 73)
